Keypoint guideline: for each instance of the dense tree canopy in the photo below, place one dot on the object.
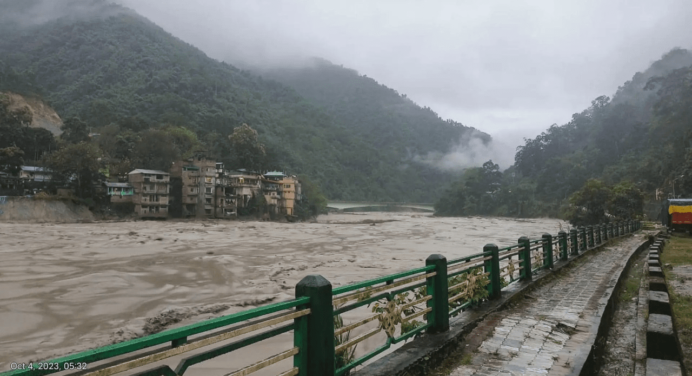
(607, 160)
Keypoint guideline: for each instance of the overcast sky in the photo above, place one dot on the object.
(510, 68)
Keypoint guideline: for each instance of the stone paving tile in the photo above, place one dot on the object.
(533, 339)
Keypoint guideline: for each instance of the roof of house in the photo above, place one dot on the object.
(142, 171)
(241, 172)
(274, 173)
(680, 201)
(35, 169)
(118, 185)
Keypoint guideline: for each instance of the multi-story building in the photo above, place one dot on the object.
(286, 188)
(225, 200)
(151, 192)
(194, 182)
(244, 185)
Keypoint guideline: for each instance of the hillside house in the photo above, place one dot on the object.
(244, 185)
(151, 192)
(194, 182)
(37, 174)
(119, 193)
(282, 190)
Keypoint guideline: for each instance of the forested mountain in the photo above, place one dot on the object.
(371, 110)
(640, 140)
(122, 75)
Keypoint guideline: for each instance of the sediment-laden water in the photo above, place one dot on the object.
(70, 287)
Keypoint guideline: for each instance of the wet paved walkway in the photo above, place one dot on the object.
(548, 331)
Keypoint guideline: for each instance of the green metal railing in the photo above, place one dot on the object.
(402, 306)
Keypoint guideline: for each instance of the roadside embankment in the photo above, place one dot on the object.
(24, 209)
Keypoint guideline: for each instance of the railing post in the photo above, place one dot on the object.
(599, 234)
(582, 235)
(612, 230)
(316, 336)
(492, 266)
(437, 287)
(591, 237)
(548, 250)
(575, 243)
(617, 229)
(605, 232)
(562, 238)
(525, 257)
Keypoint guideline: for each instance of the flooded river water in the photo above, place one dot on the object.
(69, 287)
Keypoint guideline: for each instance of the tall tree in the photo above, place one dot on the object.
(246, 150)
(74, 131)
(11, 159)
(77, 164)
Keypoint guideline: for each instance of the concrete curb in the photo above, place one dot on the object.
(427, 352)
(662, 349)
(640, 333)
(589, 357)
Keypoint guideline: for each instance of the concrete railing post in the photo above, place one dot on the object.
(525, 257)
(590, 236)
(492, 267)
(315, 337)
(548, 250)
(437, 287)
(582, 235)
(562, 237)
(575, 243)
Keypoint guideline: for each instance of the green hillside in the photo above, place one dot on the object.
(109, 66)
(639, 141)
(371, 110)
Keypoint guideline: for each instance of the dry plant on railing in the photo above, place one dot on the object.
(383, 306)
(474, 287)
(347, 356)
(403, 299)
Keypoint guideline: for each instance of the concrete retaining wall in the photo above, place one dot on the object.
(24, 209)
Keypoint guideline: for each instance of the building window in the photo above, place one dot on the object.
(192, 189)
(207, 211)
(287, 186)
(208, 201)
(208, 180)
(159, 177)
(208, 189)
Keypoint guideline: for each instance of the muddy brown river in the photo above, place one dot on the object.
(70, 287)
